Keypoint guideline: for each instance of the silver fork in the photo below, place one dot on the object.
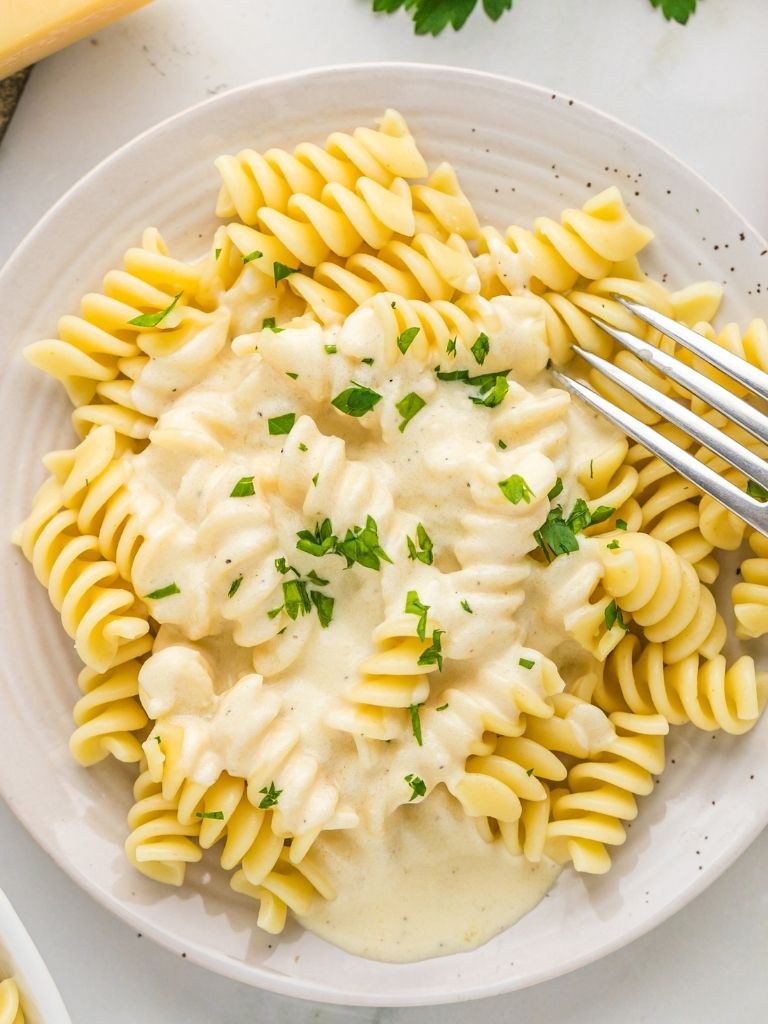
(746, 507)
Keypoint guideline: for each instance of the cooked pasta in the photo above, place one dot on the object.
(346, 569)
(11, 1009)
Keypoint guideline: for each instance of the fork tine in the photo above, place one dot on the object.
(733, 366)
(717, 441)
(713, 394)
(743, 505)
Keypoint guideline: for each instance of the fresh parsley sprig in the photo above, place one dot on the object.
(431, 17)
(360, 544)
(557, 534)
(422, 549)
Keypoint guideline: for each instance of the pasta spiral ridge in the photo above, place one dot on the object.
(11, 1010)
(99, 613)
(158, 845)
(588, 815)
(664, 596)
(252, 180)
(88, 348)
(750, 595)
(708, 693)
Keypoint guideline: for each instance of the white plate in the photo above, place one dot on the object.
(20, 959)
(520, 151)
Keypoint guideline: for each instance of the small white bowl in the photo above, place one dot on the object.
(19, 959)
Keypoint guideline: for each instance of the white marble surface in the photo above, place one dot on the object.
(699, 90)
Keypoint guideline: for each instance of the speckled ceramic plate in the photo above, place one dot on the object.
(520, 151)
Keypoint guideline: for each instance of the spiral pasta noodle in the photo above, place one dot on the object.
(750, 595)
(11, 1009)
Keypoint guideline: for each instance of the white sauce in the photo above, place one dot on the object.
(270, 699)
(427, 885)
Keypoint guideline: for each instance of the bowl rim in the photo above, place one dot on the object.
(255, 975)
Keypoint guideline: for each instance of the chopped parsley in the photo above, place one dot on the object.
(492, 395)
(620, 524)
(556, 491)
(450, 348)
(442, 707)
(158, 740)
(420, 550)
(481, 348)
(315, 478)
(216, 253)
(755, 490)
(255, 255)
(281, 424)
(526, 663)
(613, 616)
(515, 489)
(416, 723)
(557, 534)
(293, 376)
(269, 324)
(153, 319)
(281, 271)
(433, 654)
(502, 444)
(303, 447)
(243, 488)
(613, 545)
(591, 469)
(215, 815)
(413, 606)
(408, 407)
(317, 542)
(529, 773)
(298, 599)
(466, 606)
(492, 387)
(271, 796)
(356, 401)
(418, 786)
(407, 338)
(361, 546)
(369, 360)
(323, 606)
(331, 350)
(167, 591)
(234, 586)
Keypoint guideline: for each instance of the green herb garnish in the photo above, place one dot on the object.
(281, 424)
(557, 489)
(356, 401)
(153, 319)
(317, 542)
(234, 586)
(613, 616)
(331, 350)
(442, 707)
(255, 255)
(433, 654)
(620, 524)
(515, 489)
(269, 324)
(156, 595)
(526, 663)
(466, 606)
(450, 348)
(413, 606)
(416, 722)
(408, 407)
(422, 549)
(271, 796)
(361, 546)
(613, 545)
(281, 271)
(418, 786)
(214, 815)
(216, 253)
(243, 488)
(481, 348)
(406, 338)
(755, 490)
(324, 607)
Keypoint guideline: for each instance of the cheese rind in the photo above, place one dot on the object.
(32, 29)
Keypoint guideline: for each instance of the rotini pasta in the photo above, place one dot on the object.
(336, 553)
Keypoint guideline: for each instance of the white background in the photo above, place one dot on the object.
(700, 90)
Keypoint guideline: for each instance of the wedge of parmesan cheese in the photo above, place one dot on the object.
(31, 29)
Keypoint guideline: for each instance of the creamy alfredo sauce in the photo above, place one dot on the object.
(283, 701)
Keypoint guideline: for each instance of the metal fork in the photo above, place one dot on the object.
(746, 507)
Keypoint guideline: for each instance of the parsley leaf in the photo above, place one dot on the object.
(515, 489)
(416, 723)
(167, 591)
(361, 545)
(271, 796)
(153, 319)
(526, 663)
(466, 606)
(408, 407)
(557, 534)
(481, 348)
(620, 524)
(418, 786)
(442, 707)
(613, 545)
(269, 324)
(556, 490)
(317, 542)
(324, 606)
(450, 348)
(234, 586)
(433, 654)
(676, 10)
(356, 401)
(613, 616)
(754, 490)
(424, 550)
(430, 17)
(281, 424)
(406, 338)
(280, 271)
(331, 349)
(413, 606)
(243, 488)
(255, 255)
(215, 815)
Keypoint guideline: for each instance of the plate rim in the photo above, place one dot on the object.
(257, 975)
